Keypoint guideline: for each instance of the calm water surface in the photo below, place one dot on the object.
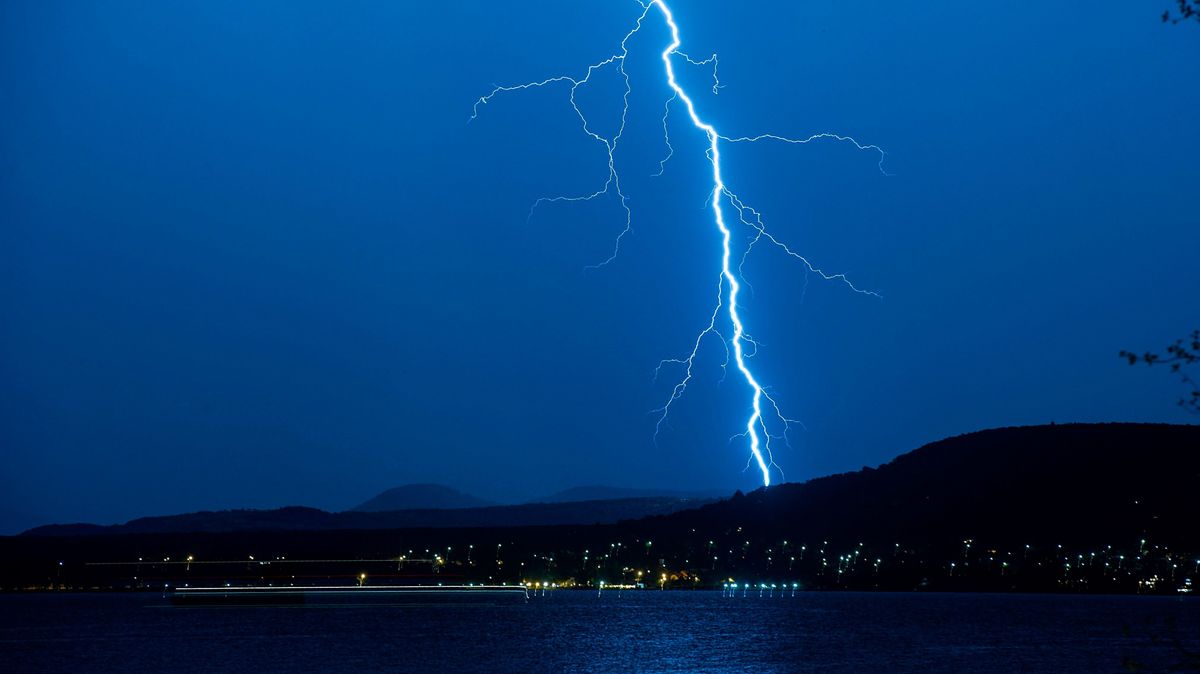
(637, 631)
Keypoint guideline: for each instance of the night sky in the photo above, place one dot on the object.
(253, 254)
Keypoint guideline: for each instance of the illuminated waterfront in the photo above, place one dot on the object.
(726, 561)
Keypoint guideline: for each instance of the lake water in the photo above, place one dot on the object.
(576, 631)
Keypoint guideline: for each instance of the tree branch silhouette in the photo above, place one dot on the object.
(1185, 10)
(1183, 353)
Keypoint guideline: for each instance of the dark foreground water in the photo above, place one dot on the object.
(636, 631)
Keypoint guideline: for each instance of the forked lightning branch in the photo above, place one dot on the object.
(765, 421)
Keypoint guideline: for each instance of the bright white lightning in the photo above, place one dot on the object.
(756, 430)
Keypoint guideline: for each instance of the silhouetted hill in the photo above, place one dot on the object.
(600, 493)
(298, 518)
(1081, 482)
(1087, 481)
(421, 497)
(1076, 507)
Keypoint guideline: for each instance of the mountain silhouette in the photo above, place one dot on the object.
(602, 493)
(1095, 483)
(300, 518)
(420, 497)
(1072, 507)
(1083, 481)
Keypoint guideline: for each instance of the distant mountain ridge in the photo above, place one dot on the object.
(602, 493)
(1103, 483)
(300, 518)
(421, 496)
(1069, 507)
(410, 506)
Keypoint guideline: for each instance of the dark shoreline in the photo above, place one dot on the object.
(1079, 508)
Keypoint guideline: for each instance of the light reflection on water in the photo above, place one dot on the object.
(635, 631)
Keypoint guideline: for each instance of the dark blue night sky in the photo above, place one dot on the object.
(253, 254)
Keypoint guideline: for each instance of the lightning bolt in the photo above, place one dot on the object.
(729, 284)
